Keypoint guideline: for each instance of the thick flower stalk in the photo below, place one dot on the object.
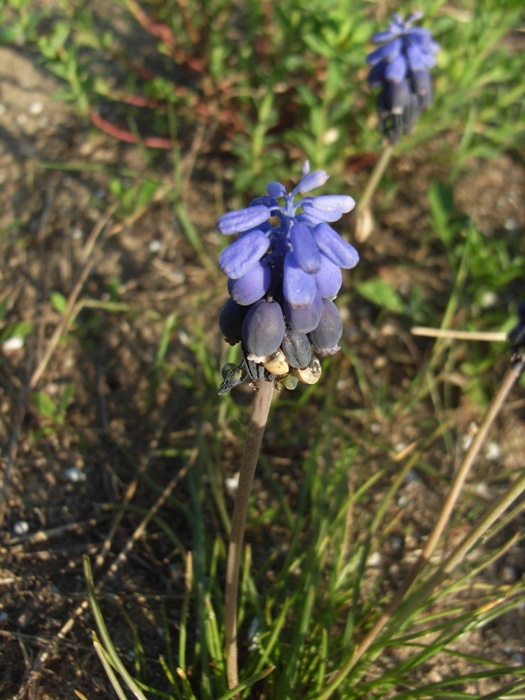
(400, 67)
(284, 270)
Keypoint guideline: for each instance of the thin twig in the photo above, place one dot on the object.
(66, 317)
(375, 178)
(260, 411)
(489, 336)
(363, 218)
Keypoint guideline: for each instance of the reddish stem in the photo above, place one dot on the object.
(128, 136)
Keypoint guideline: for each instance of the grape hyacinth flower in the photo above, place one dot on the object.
(400, 67)
(284, 270)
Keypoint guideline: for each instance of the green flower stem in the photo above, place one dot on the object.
(516, 489)
(260, 411)
(375, 178)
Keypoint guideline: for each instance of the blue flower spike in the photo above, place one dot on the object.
(400, 68)
(284, 270)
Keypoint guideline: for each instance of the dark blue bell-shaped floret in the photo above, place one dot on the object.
(304, 319)
(231, 319)
(296, 349)
(410, 115)
(328, 333)
(329, 278)
(255, 370)
(422, 87)
(394, 97)
(252, 286)
(263, 329)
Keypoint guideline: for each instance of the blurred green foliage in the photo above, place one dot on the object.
(274, 83)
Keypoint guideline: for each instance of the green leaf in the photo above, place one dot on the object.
(58, 301)
(382, 294)
(442, 207)
(3, 308)
(65, 399)
(21, 329)
(45, 405)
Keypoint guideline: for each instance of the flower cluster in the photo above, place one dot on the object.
(284, 270)
(400, 68)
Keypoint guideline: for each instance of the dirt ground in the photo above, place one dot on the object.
(56, 228)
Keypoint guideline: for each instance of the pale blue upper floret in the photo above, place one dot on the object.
(300, 247)
(407, 49)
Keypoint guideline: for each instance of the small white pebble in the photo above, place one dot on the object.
(76, 233)
(493, 452)
(36, 107)
(21, 527)
(184, 338)
(231, 484)
(403, 501)
(330, 136)
(396, 542)
(74, 475)
(155, 245)
(374, 559)
(375, 428)
(400, 446)
(16, 342)
(465, 442)
(483, 490)
(177, 277)
(21, 119)
(511, 224)
(489, 299)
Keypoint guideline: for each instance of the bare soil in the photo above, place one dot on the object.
(62, 481)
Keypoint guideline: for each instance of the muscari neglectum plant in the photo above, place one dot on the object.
(400, 69)
(284, 270)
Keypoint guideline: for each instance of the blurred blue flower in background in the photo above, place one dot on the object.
(283, 271)
(400, 67)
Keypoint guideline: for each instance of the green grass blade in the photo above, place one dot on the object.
(103, 631)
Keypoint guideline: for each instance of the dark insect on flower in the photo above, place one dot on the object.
(400, 67)
(283, 272)
(232, 376)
